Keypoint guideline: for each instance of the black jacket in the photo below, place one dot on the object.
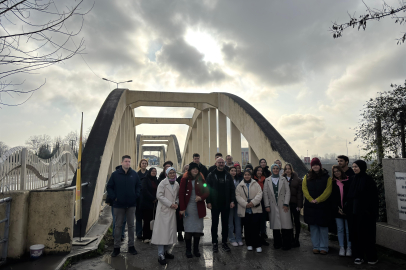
(336, 198)
(212, 182)
(124, 188)
(203, 170)
(148, 194)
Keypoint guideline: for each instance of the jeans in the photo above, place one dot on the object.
(120, 214)
(138, 221)
(319, 236)
(162, 249)
(225, 214)
(234, 218)
(340, 232)
(252, 224)
(114, 223)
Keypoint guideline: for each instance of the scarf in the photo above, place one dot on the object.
(340, 185)
(171, 181)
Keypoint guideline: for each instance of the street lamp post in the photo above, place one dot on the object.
(116, 82)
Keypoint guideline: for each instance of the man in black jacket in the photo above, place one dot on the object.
(202, 168)
(220, 200)
(124, 188)
(212, 168)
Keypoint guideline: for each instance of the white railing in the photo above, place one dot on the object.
(22, 169)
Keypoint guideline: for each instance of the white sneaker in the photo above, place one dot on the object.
(234, 244)
(249, 248)
(349, 252)
(259, 250)
(240, 243)
(342, 251)
(375, 262)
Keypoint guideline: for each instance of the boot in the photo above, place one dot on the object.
(189, 248)
(295, 242)
(180, 237)
(115, 252)
(196, 251)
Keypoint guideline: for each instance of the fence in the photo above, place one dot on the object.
(22, 169)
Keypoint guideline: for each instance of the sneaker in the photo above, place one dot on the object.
(259, 250)
(358, 261)
(161, 259)
(225, 247)
(169, 255)
(234, 244)
(375, 262)
(349, 252)
(146, 241)
(342, 251)
(249, 248)
(115, 252)
(215, 248)
(240, 243)
(132, 250)
(139, 237)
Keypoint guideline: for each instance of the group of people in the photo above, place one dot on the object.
(168, 205)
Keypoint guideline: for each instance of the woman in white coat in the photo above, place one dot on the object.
(164, 232)
(276, 199)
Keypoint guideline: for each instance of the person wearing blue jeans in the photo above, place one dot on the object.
(319, 236)
(114, 223)
(341, 222)
(234, 221)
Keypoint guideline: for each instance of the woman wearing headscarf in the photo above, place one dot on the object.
(296, 200)
(260, 178)
(317, 186)
(265, 168)
(164, 232)
(192, 194)
(248, 195)
(148, 202)
(179, 219)
(276, 198)
(238, 175)
(234, 221)
(363, 211)
(339, 198)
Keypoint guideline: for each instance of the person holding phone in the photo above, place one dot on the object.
(192, 194)
(339, 194)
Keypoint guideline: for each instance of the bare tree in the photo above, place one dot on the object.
(35, 142)
(3, 148)
(33, 36)
(72, 139)
(373, 14)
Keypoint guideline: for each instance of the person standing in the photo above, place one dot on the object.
(229, 161)
(142, 173)
(164, 231)
(202, 168)
(296, 200)
(265, 168)
(220, 201)
(179, 219)
(162, 175)
(249, 195)
(192, 194)
(343, 163)
(279, 163)
(260, 178)
(212, 168)
(277, 198)
(238, 175)
(234, 237)
(339, 194)
(317, 187)
(363, 211)
(124, 188)
(149, 202)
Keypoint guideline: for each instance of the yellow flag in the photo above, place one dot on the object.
(78, 208)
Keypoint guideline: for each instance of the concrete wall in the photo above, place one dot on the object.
(39, 217)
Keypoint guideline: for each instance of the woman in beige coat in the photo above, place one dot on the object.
(164, 232)
(248, 194)
(276, 199)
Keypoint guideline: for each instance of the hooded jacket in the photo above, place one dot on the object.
(124, 188)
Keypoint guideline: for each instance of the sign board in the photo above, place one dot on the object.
(401, 193)
(307, 160)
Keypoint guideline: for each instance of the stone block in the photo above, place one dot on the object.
(391, 237)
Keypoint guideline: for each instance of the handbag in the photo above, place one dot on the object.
(151, 224)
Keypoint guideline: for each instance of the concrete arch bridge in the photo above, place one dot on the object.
(114, 134)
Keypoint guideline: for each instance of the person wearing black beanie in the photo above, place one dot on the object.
(363, 205)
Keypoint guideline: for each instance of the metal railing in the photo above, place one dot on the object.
(4, 241)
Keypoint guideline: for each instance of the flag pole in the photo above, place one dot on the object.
(78, 205)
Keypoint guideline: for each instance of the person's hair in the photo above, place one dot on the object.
(233, 168)
(346, 159)
(139, 164)
(247, 171)
(184, 168)
(168, 162)
(218, 155)
(256, 170)
(313, 175)
(150, 171)
(229, 156)
(124, 157)
(342, 176)
(196, 155)
(291, 167)
(276, 161)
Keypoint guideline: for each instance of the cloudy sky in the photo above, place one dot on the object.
(277, 55)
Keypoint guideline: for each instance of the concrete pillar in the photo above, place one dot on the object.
(235, 143)
(194, 148)
(204, 156)
(213, 136)
(253, 158)
(23, 174)
(222, 133)
(67, 161)
(200, 134)
(50, 174)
